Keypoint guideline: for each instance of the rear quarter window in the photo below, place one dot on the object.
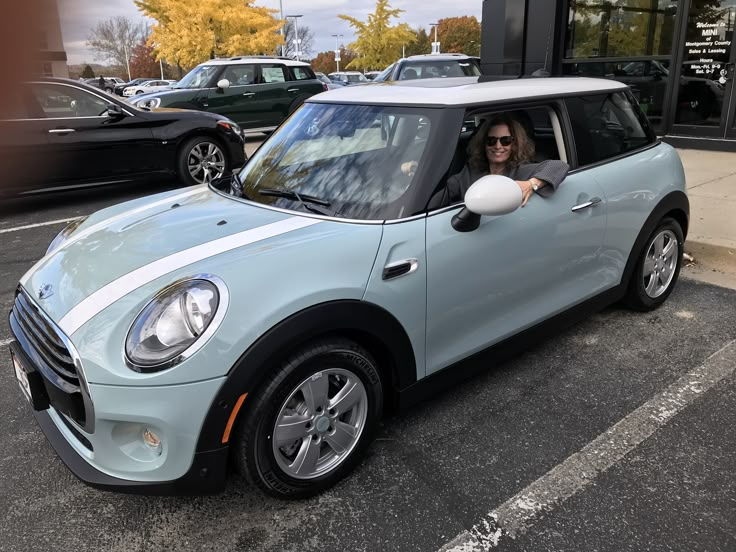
(302, 73)
(607, 125)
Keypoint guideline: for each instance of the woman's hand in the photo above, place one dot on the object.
(526, 190)
(409, 168)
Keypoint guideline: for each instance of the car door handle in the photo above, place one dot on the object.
(293, 90)
(399, 268)
(61, 130)
(249, 94)
(592, 203)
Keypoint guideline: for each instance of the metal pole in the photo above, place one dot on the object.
(127, 62)
(296, 32)
(281, 30)
(337, 50)
(161, 64)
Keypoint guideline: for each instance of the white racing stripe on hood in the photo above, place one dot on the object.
(117, 289)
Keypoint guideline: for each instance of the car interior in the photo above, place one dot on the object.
(542, 126)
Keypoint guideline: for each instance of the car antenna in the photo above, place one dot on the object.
(544, 72)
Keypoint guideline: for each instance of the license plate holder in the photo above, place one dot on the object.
(30, 383)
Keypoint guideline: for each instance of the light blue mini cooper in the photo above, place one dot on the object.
(269, 320)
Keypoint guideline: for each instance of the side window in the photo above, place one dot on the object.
(301, 73)
(607, 125)
(240, 75)
(272, 73)
(59, 101)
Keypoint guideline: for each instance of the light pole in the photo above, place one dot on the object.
(297, 40)
(281, 30)
(337, 50)
(435, 44)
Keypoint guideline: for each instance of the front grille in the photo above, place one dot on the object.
(45, 347)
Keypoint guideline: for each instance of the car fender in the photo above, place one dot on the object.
(371, 325)
(675, 204)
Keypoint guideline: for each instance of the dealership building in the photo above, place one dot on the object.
(676, 55)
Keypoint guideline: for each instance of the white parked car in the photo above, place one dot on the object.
(149, 86)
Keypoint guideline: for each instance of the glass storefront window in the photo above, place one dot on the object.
(646, 78)
(620, 28)
(708, 43)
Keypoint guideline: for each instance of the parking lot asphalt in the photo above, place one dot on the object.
(615, 435)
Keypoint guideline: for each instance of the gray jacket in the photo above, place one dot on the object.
(552, 171)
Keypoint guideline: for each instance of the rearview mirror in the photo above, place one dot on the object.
(223, 83)
(492, 195)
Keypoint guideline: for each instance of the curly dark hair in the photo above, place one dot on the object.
(522, 148)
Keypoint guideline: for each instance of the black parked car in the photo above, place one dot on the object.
(59, 134)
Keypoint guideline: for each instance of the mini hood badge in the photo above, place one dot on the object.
(46, 291)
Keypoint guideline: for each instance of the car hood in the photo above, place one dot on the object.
(150, 240)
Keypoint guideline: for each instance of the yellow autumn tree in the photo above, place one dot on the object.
(193, 31)
(378, 44)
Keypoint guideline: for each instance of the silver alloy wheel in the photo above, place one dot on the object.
(205, 162)
(320, 423)
(660, 263)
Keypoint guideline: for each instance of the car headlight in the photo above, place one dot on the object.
(170, 324)
(149, 103)
(232, 126)
(62, 236)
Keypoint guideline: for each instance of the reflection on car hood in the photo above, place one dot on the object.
(151, 240)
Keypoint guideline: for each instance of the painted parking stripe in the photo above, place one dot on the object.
(117, 289)
(519, 513)
(29, 226)
(5, 342)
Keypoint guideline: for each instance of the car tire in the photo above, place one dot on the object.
(311, 422)
(657, 268)
(205, 148)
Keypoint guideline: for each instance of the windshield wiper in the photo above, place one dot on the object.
(310, 203)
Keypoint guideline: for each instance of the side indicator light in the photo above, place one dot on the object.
(231, 420)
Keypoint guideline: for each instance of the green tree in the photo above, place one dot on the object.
(422, 44)
(378, 43)
(192, 31)
(88, 73)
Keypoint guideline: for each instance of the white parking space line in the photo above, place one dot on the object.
(27, 226)
(5, 342)
(518, 514)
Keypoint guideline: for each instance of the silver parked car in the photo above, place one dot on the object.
(282, 312)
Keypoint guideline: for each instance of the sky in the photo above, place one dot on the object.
(78, 17)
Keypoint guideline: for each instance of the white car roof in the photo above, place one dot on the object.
(463, 91)
(246, 59)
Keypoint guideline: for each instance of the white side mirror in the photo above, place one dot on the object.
(223, 83)
(493, 195)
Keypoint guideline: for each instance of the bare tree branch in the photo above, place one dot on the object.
(307, 36)
(110, 39)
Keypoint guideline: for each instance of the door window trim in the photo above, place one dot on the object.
(106, 100)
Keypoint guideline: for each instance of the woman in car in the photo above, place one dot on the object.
(501, 146)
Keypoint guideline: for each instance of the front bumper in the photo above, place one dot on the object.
(113, 455)
(205, 476)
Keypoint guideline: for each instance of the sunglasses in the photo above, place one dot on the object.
(505, 140)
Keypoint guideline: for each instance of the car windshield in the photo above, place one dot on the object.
(199, 77)
(438, 69)
(356, 78)
(358, 161)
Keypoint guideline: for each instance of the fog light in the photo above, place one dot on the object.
(152, 441)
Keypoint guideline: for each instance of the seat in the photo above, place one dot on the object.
(409, 74)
